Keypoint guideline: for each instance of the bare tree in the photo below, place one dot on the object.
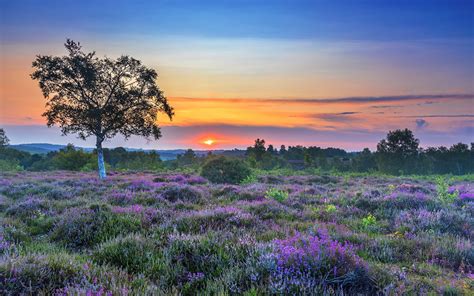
(100, 97)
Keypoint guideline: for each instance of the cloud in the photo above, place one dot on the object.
(421, 123)
(334, 117)
(347, 113)
(440, 116)
(380, 99)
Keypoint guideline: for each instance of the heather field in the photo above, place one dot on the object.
(70, 233)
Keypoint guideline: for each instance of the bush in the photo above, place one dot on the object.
(9, 165)
(276, 194)
(222, 218)
(30, 208)
(134, 253)
(197, 261)
(225, 170)
(442, 188)
(183, 193)
(33, 274)
(81, 228)
(312, 264)
(63, 274)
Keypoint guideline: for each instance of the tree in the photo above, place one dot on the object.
(4, 141)
(100, 97)
(187, 158)
(398, 152)
(364, 161)
(258, 150)
(72, 159)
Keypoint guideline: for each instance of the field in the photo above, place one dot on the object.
(70, 233)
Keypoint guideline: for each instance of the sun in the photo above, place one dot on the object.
(209, 142)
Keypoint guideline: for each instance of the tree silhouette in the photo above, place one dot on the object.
(100, 97)
(397, 153)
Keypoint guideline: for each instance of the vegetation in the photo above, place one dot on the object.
(68, 233)
(225, 170)
(97, 97)
(396, 155)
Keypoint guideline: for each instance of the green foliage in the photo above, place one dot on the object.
(250, 179)
(369, 221)
(81, 228)
(331, 208)
(276, 194)
(442, 188)
(73, 159)
(33, 274)
(12, 165)
(134, 253)
(183, 193)
(223, 169)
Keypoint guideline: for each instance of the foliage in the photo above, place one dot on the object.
(167, 233)
(276, 194)
(223, 169)
(101, 97)
(444, 195)
(82, 228)
(369, 221)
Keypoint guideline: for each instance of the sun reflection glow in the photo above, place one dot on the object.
(209, 142)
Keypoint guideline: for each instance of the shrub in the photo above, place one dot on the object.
(442, 188)
(276, 194)
(34, 274)
(183, 193)
(80, 228)
(12, 165)
(309, 264)
(369, 221)
(198, 260)
(331, 208)
(62, 274)
(134, 253)
(29, 208)
(225, 170)
(222, 218)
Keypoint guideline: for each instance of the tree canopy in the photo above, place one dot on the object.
(101, 97)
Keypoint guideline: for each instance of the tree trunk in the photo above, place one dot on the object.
(100, 159)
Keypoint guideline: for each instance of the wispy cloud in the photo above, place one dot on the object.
(440, 116)
(421, 123)
(381, 99)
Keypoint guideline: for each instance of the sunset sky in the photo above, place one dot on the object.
(325, 73)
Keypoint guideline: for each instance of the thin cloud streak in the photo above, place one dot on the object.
(439, 116)
(378, 99)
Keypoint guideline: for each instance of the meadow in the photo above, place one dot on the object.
(70, 233)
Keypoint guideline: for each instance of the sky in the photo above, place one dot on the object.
(325, 73)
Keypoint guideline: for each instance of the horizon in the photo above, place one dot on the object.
(293, 73)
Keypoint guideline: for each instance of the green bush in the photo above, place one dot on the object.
(225, 170)
(134, 253)
(82, 228)
(276, 194)
(9, 165)
(442, 188)
(37, 275)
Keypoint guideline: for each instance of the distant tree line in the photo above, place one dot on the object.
(399, 153)
(74, 159)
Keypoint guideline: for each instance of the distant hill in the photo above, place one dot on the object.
(44, 148)
(37, 148)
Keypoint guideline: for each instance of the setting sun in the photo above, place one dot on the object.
(209, 142)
